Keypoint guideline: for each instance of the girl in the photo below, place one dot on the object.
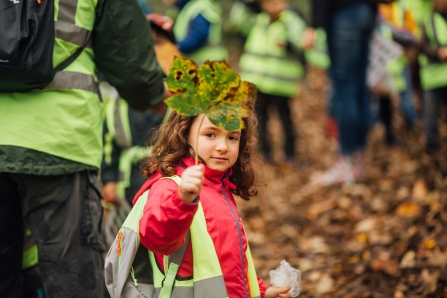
(226, 168)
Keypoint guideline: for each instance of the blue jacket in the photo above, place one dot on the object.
(199, 29)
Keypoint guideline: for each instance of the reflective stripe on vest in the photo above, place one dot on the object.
(207, 282)
(268, 65)
(117, 120)
(434, 73)
(109, 96)
(67, 31)
(73, 80)
(213, 50)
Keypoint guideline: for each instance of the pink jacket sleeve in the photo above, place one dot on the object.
(262, 286)
(166, 218)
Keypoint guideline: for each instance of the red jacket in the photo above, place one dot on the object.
(166, 220)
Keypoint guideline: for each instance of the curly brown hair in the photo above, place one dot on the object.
(170, 145)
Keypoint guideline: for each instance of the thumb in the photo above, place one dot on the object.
(281, 290)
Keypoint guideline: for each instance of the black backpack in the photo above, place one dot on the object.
(26, 45)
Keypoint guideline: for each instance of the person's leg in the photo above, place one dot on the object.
(407, 99)
(348, 44)
(331, 123)
(432, 100)
(431, 107)
(364, 96)
(284, 113)
(262, 104)
(386, 115)
(11, 239)
(375, 110)
(64, 215)
(351, 28)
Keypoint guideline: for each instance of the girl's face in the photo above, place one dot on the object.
(218, 148)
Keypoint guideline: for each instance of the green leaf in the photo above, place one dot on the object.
(214, 89)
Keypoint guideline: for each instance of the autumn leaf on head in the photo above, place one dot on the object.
(214, 89)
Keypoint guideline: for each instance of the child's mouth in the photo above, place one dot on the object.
(220, 158)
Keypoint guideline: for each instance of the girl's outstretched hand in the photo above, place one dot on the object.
(192, 181)
(277, 292)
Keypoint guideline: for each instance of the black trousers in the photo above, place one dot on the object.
(64, 214)
(432, 101)
(386, 116)
(263, 104)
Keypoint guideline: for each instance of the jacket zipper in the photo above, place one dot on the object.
(241, 248)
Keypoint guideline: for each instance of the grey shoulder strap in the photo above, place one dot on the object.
(177, 256)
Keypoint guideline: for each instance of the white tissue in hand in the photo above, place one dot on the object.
(286, 276)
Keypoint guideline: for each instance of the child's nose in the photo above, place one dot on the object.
(222, 145)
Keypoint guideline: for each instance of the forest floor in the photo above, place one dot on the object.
(383, 237)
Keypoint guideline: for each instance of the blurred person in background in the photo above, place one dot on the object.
(433, 63)
(420, 9)
(51, 146)
(271, 62)
(397, 24)
(348, 24)
(126, 132)
(403, 29)
(198, 30)
(242, 16)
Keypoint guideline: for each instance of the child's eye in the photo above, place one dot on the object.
(233, 138)
(210, 135)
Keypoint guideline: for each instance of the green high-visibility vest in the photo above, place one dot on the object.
(267, 61)
(419, 8)
(433, 73)
(131, 270)
(63, 119)
(213, 49)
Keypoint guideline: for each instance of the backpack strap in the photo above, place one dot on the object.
(177, 256)
(175, 259)
(174, 264)
(73, 56)
(69, 60)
